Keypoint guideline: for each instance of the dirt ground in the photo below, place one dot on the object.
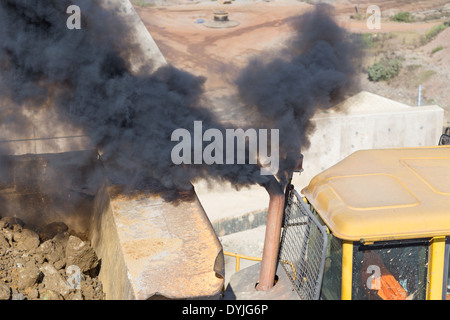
(48, 263)
(178, 28)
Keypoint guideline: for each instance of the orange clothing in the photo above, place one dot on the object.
(384, 284)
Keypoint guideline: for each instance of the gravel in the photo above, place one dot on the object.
(49, 263)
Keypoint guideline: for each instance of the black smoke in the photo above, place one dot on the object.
(86, 76)
(313, 71)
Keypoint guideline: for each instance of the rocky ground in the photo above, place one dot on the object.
(48, 263)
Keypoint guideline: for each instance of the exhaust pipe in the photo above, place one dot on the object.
(272, 236)
(273, 231)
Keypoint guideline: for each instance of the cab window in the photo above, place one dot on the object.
(446, 284)
(332, 275)
(394, 270)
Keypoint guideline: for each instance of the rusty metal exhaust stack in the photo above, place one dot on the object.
(273, 232)
(272, 236)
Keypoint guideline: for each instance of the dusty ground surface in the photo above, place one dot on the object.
(48, 263)
(179, 31)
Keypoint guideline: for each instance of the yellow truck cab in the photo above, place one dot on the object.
(385, 219)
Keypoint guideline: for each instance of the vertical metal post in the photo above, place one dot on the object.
(419, 98)
(445, 282)
(272, 237)
(436, 268)
(347, 267)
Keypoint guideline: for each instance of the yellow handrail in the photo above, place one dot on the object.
(293, 268)
(239, 257)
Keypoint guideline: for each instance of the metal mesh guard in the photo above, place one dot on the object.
(303, 248)
(445, 140)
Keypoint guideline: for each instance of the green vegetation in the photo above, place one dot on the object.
(416, 74)
(385, 69)
(413, 67)
(403, 16)
(433, 32)
(367, 40)
(376, 41)
(438, 48)
(142, 3)
(358, 16)
(423, 77)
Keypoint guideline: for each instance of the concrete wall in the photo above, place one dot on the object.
(43, 132)
(150, 53)
(45, 188)
(368, 121)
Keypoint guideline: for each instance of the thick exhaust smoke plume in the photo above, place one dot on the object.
(86, 77)
(314, 71)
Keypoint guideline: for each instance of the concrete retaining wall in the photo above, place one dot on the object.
(368, 121)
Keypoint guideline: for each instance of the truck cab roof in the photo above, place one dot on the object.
(376, 195)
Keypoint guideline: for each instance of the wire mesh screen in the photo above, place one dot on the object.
(303, 248)
(444, 140)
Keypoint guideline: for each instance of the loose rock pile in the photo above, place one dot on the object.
(49, 263)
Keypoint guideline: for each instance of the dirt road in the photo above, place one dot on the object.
(217, 54)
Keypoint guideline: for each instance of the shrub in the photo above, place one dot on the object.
(385, 69)
(357, 16)
(403, 16)
(438, 48)
(433, 32)
(367, 40)
(373, 40)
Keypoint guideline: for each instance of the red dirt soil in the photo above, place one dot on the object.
(218, 53)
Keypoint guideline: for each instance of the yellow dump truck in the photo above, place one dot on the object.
(374, 226)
